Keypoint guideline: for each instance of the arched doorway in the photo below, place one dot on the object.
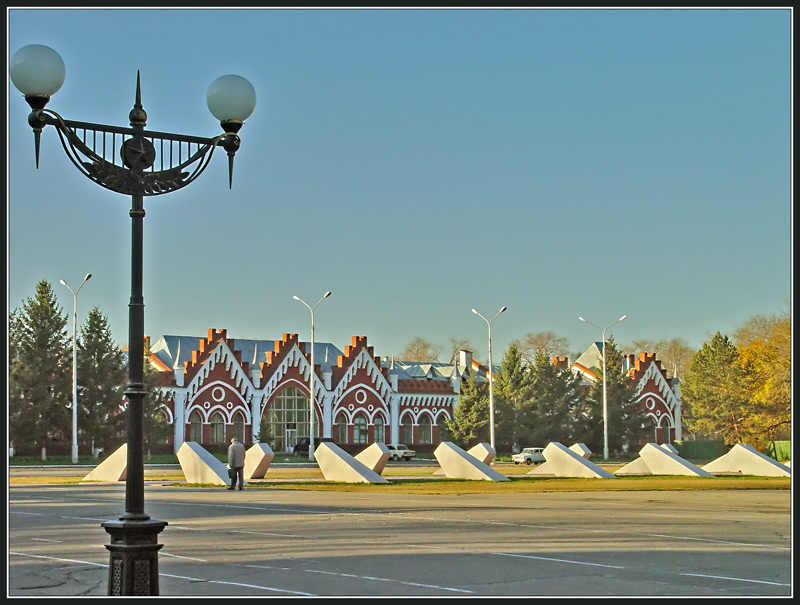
(285, 421)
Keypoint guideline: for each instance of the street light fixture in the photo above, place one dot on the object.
(605, 390)
(491, 396)
(311, 377)
(136, 162)
(75, 365)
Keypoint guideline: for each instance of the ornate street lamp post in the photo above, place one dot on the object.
(491, 396)
(311, 378)
(605, 389)
(136, 162)
(75, 364)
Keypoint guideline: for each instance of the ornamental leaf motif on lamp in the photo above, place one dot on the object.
(125, 181)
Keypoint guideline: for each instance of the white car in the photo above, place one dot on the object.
(398, 451)
(529, 455)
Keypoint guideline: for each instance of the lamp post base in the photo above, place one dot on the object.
(133, 567)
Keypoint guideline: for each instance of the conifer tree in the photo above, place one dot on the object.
(556, 399)
(40, 373)
(512, 396)
(155, 426)
(714, 391)
(101, 382)
(626, 422)
(470, 423)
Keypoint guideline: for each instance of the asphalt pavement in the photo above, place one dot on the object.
(272, 542)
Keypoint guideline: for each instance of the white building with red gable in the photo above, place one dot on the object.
(217, 387)
(658, 395)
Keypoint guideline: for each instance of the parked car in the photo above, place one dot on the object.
(398, 451)
(529, 455)
(301, 449)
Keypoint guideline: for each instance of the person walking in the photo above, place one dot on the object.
(236, 463)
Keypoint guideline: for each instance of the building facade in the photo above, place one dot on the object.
(658, 395)
(217, 387)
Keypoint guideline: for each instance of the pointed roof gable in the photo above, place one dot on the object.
(355, 357)
(214, 349)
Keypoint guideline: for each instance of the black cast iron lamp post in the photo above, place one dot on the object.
(139, 163)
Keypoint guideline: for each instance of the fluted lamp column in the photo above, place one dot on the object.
(138, 163)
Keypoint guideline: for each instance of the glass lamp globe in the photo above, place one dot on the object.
(37, 70)
(231, 98)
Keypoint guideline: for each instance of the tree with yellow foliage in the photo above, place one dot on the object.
(765, 355)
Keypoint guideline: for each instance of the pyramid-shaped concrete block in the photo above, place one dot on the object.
(561, 461)
(458, 464)
(338, 465)
(374, 457)
(656, 460)
(483, 452)
(201, 466)
(257, 460)
(746, 460)
(581, 450)
(113, 468)
(670, 448)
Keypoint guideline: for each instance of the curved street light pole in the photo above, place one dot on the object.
(138, 163)
(75, 365)
(491, 394)
(311, 378)
(605, 390)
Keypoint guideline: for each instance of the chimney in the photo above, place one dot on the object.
(464, 365)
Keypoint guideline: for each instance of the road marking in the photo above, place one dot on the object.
(256, 586)
(166, 554)
(24, 554)
(508, 554)
(166, 575)
(701, 575)
(349, 575)
(46, 540)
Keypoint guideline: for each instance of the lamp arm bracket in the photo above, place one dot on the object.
(124, 159)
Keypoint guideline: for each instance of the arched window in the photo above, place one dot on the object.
(407, 429)
(360, 429)
(379, 430)
(217, 428)
(238, 426)
(425, 429)
(285, 421)
(341, 428)
(195, 427)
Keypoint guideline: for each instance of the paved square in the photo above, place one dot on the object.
(283, 542)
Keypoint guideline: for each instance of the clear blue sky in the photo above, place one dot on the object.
(419, 163)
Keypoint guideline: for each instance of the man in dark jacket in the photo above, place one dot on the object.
(236, 463)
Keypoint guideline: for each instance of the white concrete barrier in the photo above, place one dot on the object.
(113, 468)
(338, 465)
(374, 457)
(257, 460)
(746, 460)
(581, 450)
(670, 448)
(201, 466)
(458, 464)
(656, 460)
(482, 452)
(561, 461)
